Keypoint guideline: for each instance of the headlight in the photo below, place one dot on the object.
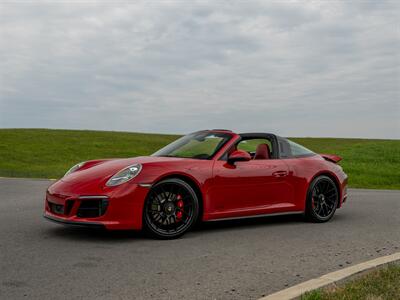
(75, 168)
(124, 175)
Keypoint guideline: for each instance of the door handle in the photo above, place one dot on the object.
(280, 174)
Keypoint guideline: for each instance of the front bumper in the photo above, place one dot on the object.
(73, 223)
(120, 207)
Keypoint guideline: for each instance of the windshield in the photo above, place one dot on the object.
(200, 145)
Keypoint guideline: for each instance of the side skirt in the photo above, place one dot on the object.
(258, 216)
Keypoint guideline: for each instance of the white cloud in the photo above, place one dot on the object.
(295, 68)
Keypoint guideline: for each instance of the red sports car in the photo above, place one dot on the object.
(207, 175)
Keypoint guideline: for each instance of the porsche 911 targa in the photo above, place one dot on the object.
(203, 176)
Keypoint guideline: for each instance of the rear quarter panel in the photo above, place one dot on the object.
(302, 172)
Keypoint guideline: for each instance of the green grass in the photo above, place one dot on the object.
(371, 164)
(379, 285)
(44, 153)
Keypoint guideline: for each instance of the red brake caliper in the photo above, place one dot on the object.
(179, 204)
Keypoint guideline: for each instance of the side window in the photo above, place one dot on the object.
(289, 149)
(299, 150)
(250, 145)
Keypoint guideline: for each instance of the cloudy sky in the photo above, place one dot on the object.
(295, 68)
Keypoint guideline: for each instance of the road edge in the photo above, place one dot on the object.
(333, 278)
(28, 178)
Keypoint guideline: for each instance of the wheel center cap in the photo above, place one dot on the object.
(322, 198)
(169, 208)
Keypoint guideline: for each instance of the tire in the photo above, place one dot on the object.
(322, 199)
(171, 208)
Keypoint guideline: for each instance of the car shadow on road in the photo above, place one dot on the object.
(90, 234)
(94, 234)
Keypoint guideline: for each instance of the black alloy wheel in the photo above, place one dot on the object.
(322, 201)
(171, 208)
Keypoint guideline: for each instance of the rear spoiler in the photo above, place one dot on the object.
(332, 158)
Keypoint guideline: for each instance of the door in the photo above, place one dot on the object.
(250, 187)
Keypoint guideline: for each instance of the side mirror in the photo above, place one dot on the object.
(238, 155)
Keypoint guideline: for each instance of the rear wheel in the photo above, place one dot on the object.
(171, 208)
(322, 199)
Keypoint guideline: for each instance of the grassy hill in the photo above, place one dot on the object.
(44, 153)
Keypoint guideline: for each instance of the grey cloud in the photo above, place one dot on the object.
(296, 68)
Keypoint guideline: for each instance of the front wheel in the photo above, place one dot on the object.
(171, 208)
(322, 199)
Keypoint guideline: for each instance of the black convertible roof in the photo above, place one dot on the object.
(246, 134)
(255, 134)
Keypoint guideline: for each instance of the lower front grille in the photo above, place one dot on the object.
(92, 208)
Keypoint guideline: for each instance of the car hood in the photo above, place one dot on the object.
(102, 170)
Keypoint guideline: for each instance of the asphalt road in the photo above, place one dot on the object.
(243, 259)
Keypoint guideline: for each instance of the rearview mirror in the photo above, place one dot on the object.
(238, 155)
